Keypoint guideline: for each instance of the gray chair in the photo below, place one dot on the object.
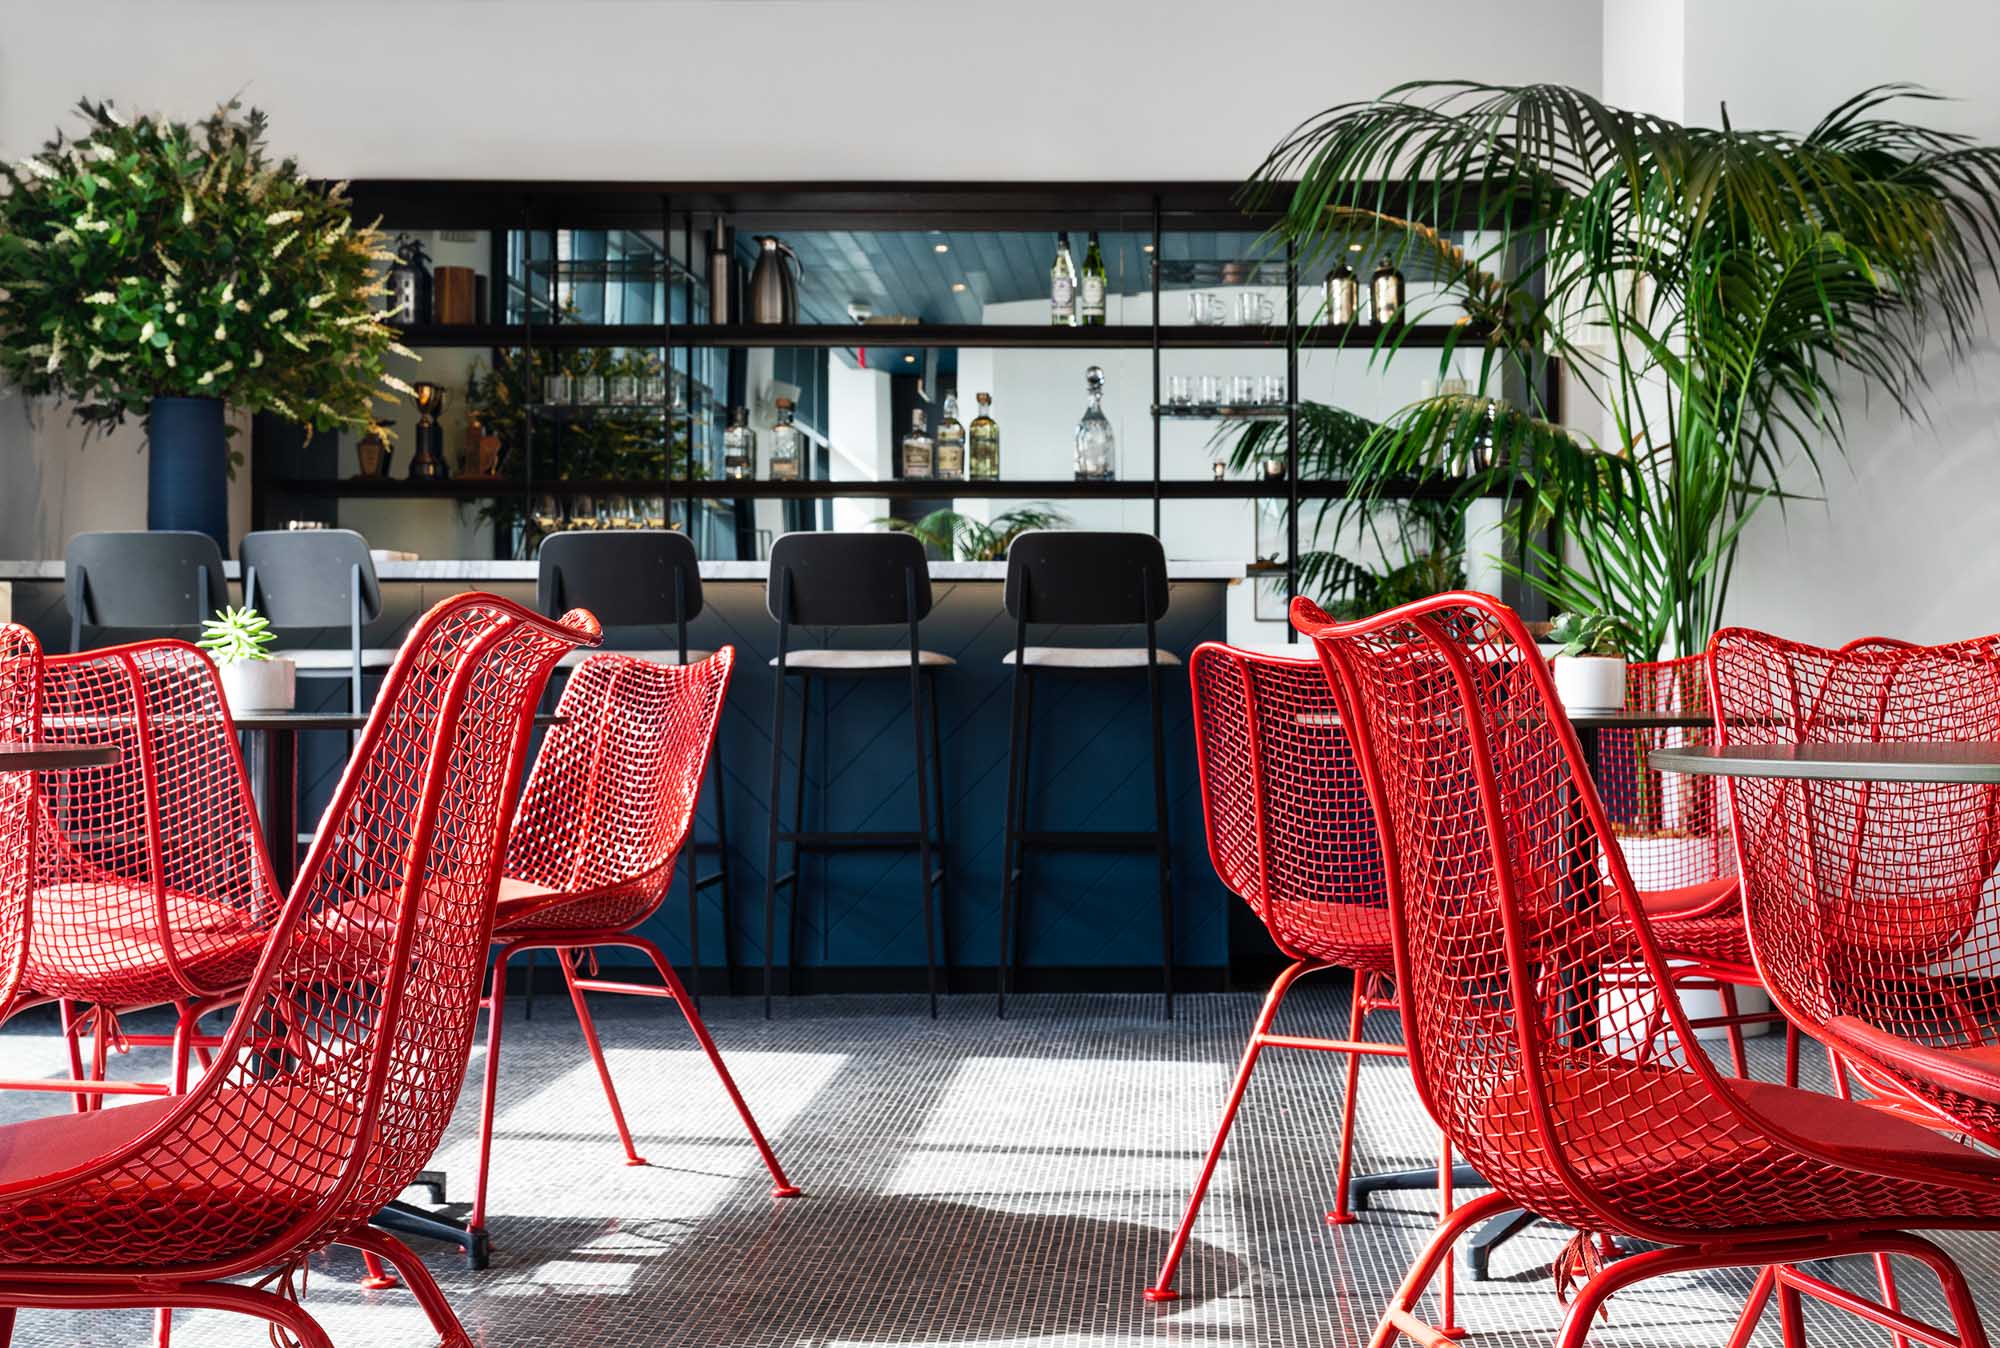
(648, 580)
(1079, 578)
(842, 580)
(156, 583)
(321, 578)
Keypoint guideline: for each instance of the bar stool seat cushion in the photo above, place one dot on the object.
(857, 661)
(336, 660)
(661, 657)
(1089, 657)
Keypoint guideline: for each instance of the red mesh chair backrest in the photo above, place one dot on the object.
(20, 720)
(1530, 983)
(1871, 900)
(335, 1081)
(149, 868)
(612, 795)
(1289, 825)
(1677, 817)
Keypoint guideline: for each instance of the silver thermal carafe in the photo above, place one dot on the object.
(774, 293)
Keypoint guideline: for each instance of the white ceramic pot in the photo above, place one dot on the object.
(1590, 682)
(258, 685)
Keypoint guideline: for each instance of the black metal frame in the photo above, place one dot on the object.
(675, 208)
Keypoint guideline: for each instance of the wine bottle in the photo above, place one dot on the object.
(985, 441)
(1092, 306)
(1062, 286)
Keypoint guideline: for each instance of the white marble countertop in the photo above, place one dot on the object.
(449, 570)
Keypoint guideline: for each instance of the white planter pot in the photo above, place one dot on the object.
(258, 685)
(1590, 682)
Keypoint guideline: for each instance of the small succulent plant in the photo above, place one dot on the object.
(237, 634)
(1591, 634)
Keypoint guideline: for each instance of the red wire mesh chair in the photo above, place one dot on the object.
(1543, 1034)
(607, 811)
(1289, 831)
(338, 1074)
(1872, 904)
(1677, 846)
(152, 883)
(20, 720)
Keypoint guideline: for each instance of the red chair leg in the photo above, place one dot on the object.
(589, 1027)
(781, 1187)
(1738, 1061)
(6, 1326)
(1342, 1214)
(496, 1001)
(378, 1245)
(1885, 1277)
(67, 1009)
(1398, 1318)
(288, 1316)
(1163, 1285)
(1448, 1324)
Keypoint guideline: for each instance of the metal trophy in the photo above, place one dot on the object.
(427, 462)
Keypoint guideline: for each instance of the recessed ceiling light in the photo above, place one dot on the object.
(909, 360)
(941, 247)
(1145, 247)
(957, 286)
(1353, 247)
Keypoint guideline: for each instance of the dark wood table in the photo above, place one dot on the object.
(33, 756)
(1975, 762)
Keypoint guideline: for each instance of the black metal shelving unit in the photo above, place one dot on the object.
(673, 210)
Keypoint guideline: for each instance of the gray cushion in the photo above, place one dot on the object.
(1089, 657)
(333, 658)
(671, 657)
(861, 660)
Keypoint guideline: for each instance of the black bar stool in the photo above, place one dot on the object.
(836, 580)
(646, 578)
(162, 582)
(1082, 579)
(318, 578)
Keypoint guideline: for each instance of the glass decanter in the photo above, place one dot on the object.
(1096, 445)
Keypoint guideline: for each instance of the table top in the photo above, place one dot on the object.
(29, 756)
(1926, 761)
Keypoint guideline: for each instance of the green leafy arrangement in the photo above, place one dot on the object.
(237, 634)
(1719, 293)
(1413, 547)
(962, 538)
(150, 258)
(1591, 634)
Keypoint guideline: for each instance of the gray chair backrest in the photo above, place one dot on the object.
(636, 578)
(157, 580)
(309, 577)
(848, 579)
(1077, 576)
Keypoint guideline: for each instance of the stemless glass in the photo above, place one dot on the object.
(656, 512)
(1205, 307)
(557, 389)
(548, 514)
(582, 512)
(1253, 310)
(1208, 390)
(1179, 390)
(655, 388)
(624, 389)
(1271, 390)
(590, 390)
(1242, 390)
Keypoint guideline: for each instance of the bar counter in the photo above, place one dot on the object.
(1088, 920)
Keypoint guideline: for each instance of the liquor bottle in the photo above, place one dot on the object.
(1092, 297)
(985, 441)
(787, 447)
(917, 447)
(1096, 446)
(1062, 286)
(1385, 292)
(949, 460)
(739, 446)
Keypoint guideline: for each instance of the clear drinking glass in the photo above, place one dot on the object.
(582, 512)
(590, 390)
(1179, 390)
(1253, 310)
(624, 389)
(1208, 390)
(557, 389)
(656, 512)
(1271, 390)
(655, 388)
(548, 514)
(1205, 307)
(1242, 390)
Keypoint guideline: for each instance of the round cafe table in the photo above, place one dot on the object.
(31, 756)
(1962, 761)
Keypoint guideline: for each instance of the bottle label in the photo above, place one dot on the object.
(1062, 294)
(916, 460)
(950, 460)
(1093, 294)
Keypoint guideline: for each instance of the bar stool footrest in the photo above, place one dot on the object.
(1087, 840)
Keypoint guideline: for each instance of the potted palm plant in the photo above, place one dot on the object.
(239, 640)
(1717, 293)
(162, 269)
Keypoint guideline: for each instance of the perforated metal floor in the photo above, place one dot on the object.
(967, 1182)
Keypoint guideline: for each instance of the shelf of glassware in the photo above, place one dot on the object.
(974, 336)
(1180, 489)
